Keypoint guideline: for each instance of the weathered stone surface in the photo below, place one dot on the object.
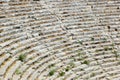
(59, 40)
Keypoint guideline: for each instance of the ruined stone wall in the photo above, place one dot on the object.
(60, 40)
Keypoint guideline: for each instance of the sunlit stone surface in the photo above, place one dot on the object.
(60, 40)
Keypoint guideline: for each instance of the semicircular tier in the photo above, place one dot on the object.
(60, 40)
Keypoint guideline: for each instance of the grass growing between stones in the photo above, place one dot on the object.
(22, 57)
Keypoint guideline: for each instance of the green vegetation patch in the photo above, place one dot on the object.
(62, 73)
(22, 57)
(51, 72)
(18, 71)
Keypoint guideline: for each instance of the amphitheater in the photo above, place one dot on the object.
(59, 39)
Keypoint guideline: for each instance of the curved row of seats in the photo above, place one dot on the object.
(60, 40)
